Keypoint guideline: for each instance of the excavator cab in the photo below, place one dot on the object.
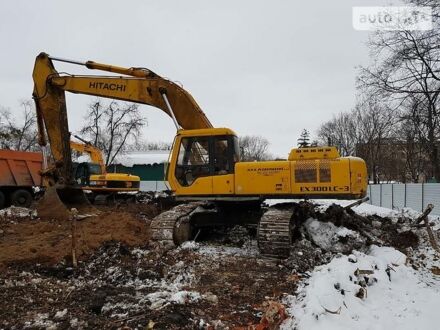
(83, 171)
(203, 160)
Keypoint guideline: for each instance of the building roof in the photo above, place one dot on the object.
(131, 158)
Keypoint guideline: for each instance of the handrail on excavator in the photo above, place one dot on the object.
(134, 72)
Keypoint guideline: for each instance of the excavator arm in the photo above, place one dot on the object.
(138, 85)
(94, 153)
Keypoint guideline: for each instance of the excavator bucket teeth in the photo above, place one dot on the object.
(58, 201)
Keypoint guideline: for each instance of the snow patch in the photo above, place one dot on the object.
(18, 212)
(60, 314)
(394, 296)
(332, 238)
(161, 299)
(189, 245)
(248, 250)
(41, 321)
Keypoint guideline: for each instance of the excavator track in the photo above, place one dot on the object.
(167, 228)
(274, 233)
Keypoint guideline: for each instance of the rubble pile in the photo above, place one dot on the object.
(340, 230)
(326, 232)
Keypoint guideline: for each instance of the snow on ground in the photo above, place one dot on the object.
(395, 295)
(387, 293)
(165, 291)
(379, 288)
(249, 249)
(17, 212)
(332, 238)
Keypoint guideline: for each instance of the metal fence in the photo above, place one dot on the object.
(153, 186)
(413, 195)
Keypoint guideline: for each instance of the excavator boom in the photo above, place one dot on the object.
(94, 153)
(137, 85)
(143, 86)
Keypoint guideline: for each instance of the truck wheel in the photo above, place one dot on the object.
(22, 198)
(2, 200)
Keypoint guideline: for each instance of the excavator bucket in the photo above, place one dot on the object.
(57, 203)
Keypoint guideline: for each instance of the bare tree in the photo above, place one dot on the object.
(112, 127)
(406, 75)
(143, 145)
(364, 131)
(19, 134)
(253, 147)
(374, 121)
(95, 113)
(415, 159)
(395, 125)
(340, 131)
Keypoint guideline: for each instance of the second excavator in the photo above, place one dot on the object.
(93, 177)
(205, 171)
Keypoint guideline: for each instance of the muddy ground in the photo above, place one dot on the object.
(123, 282)
(27, 240)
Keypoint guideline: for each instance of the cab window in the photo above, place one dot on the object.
(205, 156)
(221, 156)
(95, 169)
(193, 161)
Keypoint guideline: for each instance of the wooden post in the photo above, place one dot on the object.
(404, 199)
(358, 202)
(74, 215)
(424, 217)
(392, 196)
(380, 187)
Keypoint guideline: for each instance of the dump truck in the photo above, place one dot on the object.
(19, 174)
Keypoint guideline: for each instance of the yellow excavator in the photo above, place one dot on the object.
(205, 170)
(93, 176)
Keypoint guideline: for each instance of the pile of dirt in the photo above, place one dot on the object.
(26, 239)
(143, 210)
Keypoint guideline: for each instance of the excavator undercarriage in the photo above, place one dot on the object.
(275, 225)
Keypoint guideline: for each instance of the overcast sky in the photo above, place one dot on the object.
(269, 68)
